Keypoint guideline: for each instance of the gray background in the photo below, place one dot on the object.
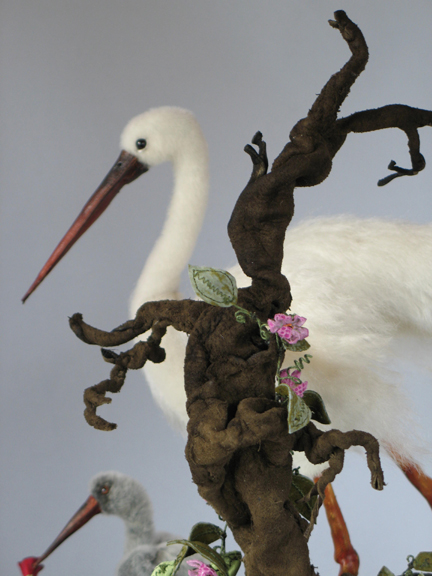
(72, 74)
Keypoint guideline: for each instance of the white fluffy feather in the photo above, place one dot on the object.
(360, 284)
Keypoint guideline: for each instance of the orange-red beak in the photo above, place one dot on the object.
(126, 169)
(89, 509)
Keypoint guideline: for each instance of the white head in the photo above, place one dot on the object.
(159, 135)
(162, 134)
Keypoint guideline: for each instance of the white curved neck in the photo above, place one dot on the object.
(160, 277)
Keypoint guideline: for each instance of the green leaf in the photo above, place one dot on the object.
(164, 569)
(282, 390)
(181, 555)
(316, 404)
(299, 413)
(211, 555)
(385, 572)
(206, 532)
(232, 561)
(300, 486)
(423, 561)
(216, 287)
(301, 346)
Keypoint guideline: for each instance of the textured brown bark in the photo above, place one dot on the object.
(238, 448)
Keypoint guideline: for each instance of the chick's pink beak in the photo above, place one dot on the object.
(30, 566)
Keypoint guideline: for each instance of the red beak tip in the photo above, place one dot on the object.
(26, 566)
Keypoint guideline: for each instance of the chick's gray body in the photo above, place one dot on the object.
(145, 548)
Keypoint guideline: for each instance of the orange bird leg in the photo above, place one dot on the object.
(414, 474)
(418, 479)
(345, 555)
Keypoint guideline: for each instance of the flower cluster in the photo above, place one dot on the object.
(289, 327)
(292, 379)
(200, 569)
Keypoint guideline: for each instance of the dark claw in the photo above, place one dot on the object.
(252, 153)
(257, 139)
(259, 159)
(262, 146)
(76, 322)
(109, 355)
(399, 172)
(341, 23)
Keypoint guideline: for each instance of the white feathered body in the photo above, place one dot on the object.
(360, 284)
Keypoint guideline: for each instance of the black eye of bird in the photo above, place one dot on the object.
(105, 489)
(141, 143)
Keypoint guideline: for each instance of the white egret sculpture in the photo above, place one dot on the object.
(120, 495)
(360, 284)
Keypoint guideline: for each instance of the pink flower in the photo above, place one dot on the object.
(26, 566)
(201, 569)
(293, 381)
(289, 327)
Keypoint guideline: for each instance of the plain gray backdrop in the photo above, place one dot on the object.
(72, 75)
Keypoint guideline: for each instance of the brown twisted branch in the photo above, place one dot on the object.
(133, 359)
(238, 448)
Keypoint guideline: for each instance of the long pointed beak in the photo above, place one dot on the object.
(126, 169)
(89, 509)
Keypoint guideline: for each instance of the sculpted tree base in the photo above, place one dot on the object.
(239, 448)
